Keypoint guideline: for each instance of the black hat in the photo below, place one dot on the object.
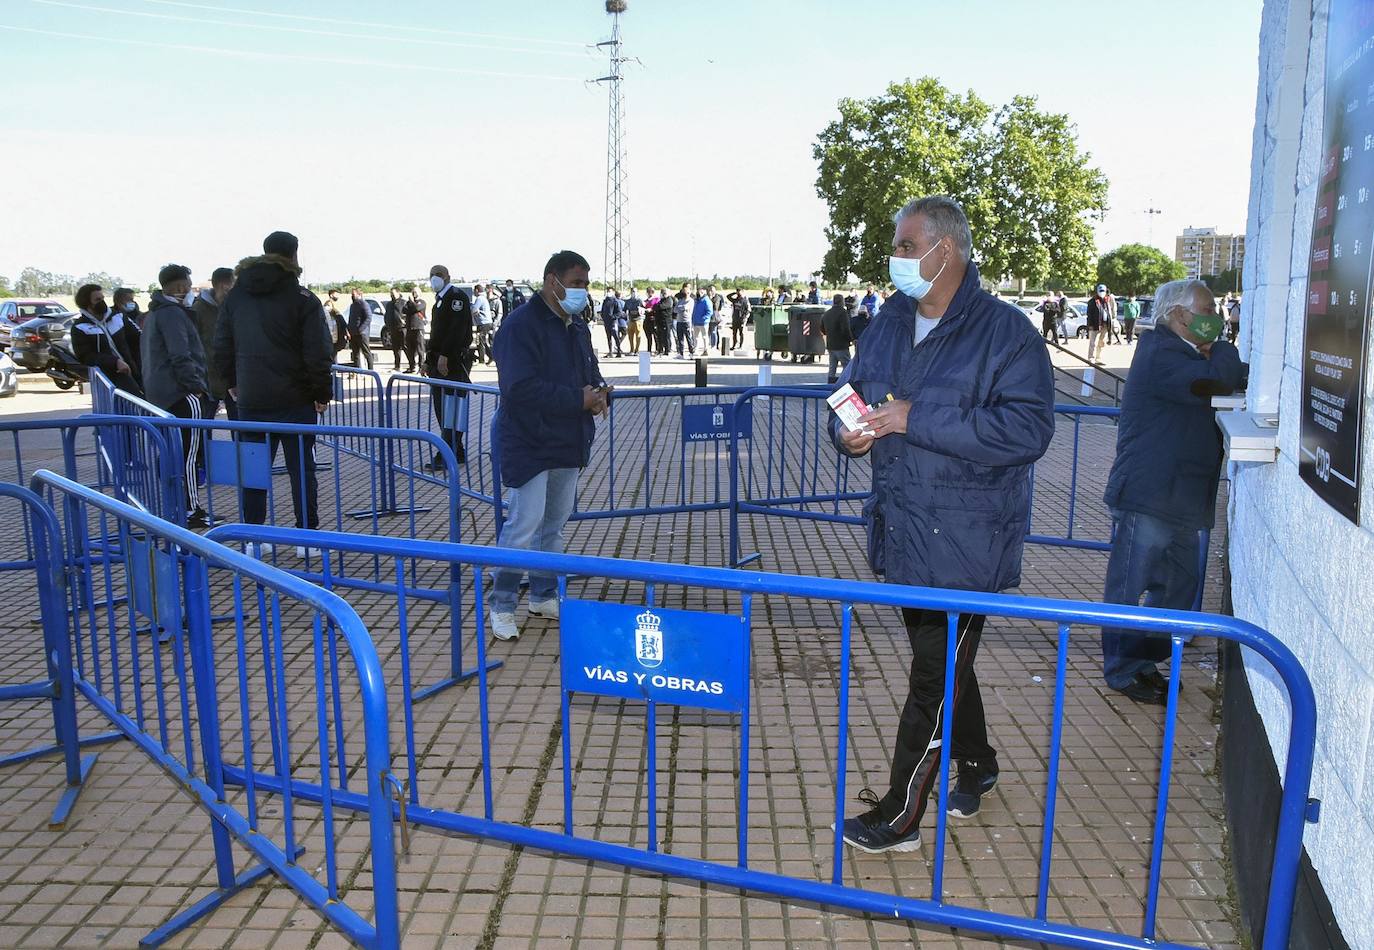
(280, 242)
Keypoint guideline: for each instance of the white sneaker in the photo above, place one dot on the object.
(257, 549)
(545, 608)
(304, 552)
(503, 626)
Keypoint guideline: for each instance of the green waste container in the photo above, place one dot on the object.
(770, 330)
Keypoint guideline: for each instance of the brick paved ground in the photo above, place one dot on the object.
(137, 851)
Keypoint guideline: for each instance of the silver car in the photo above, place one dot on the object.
(9, 376)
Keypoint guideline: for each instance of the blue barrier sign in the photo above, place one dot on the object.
(712, 423)
(153, 581)
(680, 657)
(238, 463)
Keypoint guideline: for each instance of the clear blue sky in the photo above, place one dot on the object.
(392, 136)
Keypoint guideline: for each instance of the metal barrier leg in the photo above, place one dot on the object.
(456, 673)
(59, 687)
(207, 904)
(199, 623)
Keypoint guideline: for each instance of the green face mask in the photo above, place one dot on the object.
(1206, 326)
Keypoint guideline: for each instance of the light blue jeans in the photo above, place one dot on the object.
(539, 509)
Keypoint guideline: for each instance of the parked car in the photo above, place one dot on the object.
(30, 341)
(1146, 320)
(376, 329)
(9, 376)
(17, 311)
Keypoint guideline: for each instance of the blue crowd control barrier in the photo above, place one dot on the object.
(57, 686)
(633, 470)
(748, 586)
(194, 706)
(360, 403)
(240, 461)
(426, 404)
(791, 469)
(125, 457)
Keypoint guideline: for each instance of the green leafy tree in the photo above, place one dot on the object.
(108, 281)
(918, 139)
(5, 290)
(1228, 281)
(1043, 195)
(1027, 190)
(1138, 269)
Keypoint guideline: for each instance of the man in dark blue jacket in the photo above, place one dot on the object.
(973, 409)
(359, 324)
(551, 390)
(1163, 486)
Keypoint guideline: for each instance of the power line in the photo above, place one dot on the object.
(367, 23)
(309, 31)
(294, 57)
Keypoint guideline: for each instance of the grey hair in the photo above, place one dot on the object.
(1176, 293)
(943, 217)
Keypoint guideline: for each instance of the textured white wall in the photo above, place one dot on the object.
(1299, 569)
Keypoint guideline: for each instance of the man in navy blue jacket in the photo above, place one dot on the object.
(1163, 486)
(973, 409)
(551, 390)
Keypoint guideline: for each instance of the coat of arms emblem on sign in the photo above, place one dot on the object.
(648, 639)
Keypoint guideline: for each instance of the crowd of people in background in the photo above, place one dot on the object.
(685, 323)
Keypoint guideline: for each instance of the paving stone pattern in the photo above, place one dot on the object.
(137, 851)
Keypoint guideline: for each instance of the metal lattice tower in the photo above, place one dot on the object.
(617, 260)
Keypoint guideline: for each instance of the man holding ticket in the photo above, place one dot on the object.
(953, 394)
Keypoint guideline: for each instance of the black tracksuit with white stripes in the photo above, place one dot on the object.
(175, 377)
(916, 758)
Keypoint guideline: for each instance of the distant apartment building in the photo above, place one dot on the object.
(1205, 252)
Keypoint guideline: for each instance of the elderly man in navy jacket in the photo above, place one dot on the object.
(1163, 486)
(952, 453)
(551, 390)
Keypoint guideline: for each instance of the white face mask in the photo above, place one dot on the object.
(437, 283)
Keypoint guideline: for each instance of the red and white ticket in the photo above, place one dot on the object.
(850, 407)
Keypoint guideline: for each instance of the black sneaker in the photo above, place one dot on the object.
(1148, 689)
(435, 466)
(970, 786)
(871, 833)
(199, 520)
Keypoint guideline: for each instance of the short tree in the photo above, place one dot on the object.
(1135, 269)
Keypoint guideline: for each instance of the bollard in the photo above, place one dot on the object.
(644, 365)
(1089, 377)
(701, 372)
(765, 374)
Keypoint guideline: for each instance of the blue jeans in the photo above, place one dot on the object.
(1154, 564)
(539, 509)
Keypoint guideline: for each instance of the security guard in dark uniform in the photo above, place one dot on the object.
(449, 354)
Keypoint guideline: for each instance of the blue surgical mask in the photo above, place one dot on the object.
(574, 299)
(906, 274)
(437, 283)
(130, 307)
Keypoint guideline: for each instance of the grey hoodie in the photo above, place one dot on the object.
(173, 357)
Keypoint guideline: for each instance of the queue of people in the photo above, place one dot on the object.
(951, 463)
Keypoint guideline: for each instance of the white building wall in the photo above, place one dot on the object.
(1299, 569)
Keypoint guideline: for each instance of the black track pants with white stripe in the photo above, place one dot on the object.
(916, 759)
(190, 407)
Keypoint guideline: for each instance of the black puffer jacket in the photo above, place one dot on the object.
(272, 341)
